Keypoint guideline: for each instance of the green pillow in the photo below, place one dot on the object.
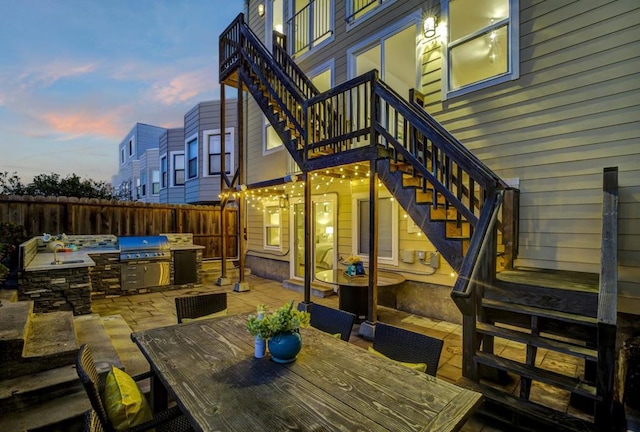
(420, 367)
(222, 313)
(125, 404)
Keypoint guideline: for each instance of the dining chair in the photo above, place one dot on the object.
(407, 346)
(333, 321)
(92, 422)
(201, 305)
(170, 419)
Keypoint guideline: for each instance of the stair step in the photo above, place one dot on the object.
(51, 335)
(317, 289)
(119, 332)
(15, 321)
(538, 341)
(545, 313)
(17, 394)
(91, 331)
(523, 414)
(60, 414)
(573, 385)
(8, 295)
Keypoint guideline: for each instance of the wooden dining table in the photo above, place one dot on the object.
(209, 369)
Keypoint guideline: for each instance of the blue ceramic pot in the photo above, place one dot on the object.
(284, 347)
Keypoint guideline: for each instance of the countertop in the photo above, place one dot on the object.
(185, 247)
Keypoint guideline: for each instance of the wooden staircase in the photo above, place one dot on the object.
(467, 212)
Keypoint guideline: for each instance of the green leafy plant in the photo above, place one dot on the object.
(285, 318)
(11, 236)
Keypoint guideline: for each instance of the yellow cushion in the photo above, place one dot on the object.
(203, 317)
(420, 367)
(126, 406)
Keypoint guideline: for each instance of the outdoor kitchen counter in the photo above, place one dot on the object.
(175, 247)
(43, 260)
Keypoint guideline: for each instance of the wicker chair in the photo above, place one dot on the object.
(407, 346)
(92, 421)
(332, 320)
(167, 420)
(200, 305)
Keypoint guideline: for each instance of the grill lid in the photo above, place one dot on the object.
(143, 247)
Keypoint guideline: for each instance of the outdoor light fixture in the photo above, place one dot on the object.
(261, 9)
(429, 26)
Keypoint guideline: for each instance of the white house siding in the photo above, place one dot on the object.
(573, 111)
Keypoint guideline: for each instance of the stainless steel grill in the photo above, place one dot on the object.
(147, 248)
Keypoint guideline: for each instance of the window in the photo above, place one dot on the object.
(138, 191)
(387, 228)
(272, 140)
(143, 181)
(178, 169)
(192, 155)
(155, 182)
(359, 8)
(164, 172)
(122, 156)
(131, 145)
(213, 162)
(272, 226)
(482, 47)
(311, 24)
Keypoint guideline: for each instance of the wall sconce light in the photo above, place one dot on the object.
(261, 9)
(429, 26)
(283, 202)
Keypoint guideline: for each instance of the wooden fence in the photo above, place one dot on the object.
(82, 216)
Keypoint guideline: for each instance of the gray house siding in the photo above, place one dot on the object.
(206, 117)
(171, 141)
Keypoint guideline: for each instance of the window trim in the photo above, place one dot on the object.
(164, 182)
(265, 225)
(152, 183)
(187, 159)
(206, 155)
(143, 183)
(123, 156)
(172, 169)
(132, 146)
(513, 52)
(356, 198)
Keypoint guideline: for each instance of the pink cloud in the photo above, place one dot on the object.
(47, 74)
(75, 124)
(184, 87)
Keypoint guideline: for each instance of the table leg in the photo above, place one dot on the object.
(159, 397)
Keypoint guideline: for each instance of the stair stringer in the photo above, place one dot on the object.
(451, 250)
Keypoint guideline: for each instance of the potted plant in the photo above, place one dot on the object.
(281, 330)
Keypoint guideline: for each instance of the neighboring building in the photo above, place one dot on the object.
(138, 175)
(202, 151)
(172, 166)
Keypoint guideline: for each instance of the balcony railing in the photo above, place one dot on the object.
(310, 26)
(357, 8)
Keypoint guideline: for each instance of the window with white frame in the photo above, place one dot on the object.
(131, 146)
(482, 45)
(387, 228)
(272, 225)
(138, 191)
(214, 149)
(122, 156)
(155, 182)
(178, 169)
(164, 172)
(272, 141)
(143, 183)
(311, 24)
(192, 157)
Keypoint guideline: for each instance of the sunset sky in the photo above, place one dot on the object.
(76, 75)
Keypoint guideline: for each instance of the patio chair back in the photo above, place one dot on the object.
(332, 321)
(88, 374)
(92, 422)
(407, 346)
(200, 305)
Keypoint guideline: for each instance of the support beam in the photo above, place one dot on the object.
(223, 279)
(241, 285)
(308, 263)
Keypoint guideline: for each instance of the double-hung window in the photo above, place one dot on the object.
(482, 45)
(192, 158)
(155, 182)
(122, 158)
(272, 226)
(213, 162)
(178, 169)
(131, 147)
(143, 183)
(164, 172)
(387, 228)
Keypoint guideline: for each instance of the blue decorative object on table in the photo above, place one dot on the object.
(285, 346)
(359, 267)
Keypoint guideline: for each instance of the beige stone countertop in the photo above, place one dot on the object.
(43, 261)
(174, 247)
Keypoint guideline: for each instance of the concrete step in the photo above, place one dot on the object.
(59, 414)
(318, 289)
(14, 320)
(120, 335)
(90, 330)
(8, 295)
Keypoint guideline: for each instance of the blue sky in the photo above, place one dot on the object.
(76, 75)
